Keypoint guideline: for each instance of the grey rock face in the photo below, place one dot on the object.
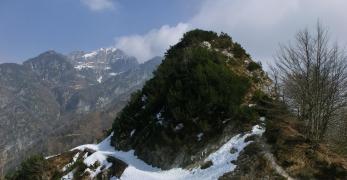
(28, 111)
(53, 97)
(51, 67)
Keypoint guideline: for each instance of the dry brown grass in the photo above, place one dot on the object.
(61, 160)
(300, 157)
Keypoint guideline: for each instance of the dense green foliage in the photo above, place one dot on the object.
(32, 168)
(79, 169)
(239, 52)
(193, 91)
(253, 66)
(36, 167)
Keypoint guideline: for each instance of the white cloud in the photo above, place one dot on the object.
(153, 43)
(228, 14)
(258, 25)
(99, 5)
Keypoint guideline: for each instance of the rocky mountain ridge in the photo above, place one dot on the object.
(47, 97)
(187, 122)
(207, 113)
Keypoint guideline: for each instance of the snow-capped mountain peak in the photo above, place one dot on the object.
(103, 62)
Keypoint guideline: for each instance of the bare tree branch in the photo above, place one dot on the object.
(313, 79)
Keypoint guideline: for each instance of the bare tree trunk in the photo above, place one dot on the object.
(313, 78)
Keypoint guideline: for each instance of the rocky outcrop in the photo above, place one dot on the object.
(256, 160)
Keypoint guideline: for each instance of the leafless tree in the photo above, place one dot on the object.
(313, 78)
(275, 81)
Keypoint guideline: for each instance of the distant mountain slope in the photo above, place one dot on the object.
(52, 67)
(208, 113)
(190, 120)
(49, 96)
(28, 110)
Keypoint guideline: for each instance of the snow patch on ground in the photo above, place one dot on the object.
(88, 55)
(104, 149)
(262, 119)
(144, 98)
(138, 169)
(226, 120)
(48, 157)
(99, 79)
(160, 119)
(206, 44)
(179, 127)
(71, 163)
(83, 66)
(68, 176)
(132, 132)
(199, 136)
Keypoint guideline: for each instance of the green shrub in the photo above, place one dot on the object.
(260, 97)
(32, 168)
(253, 66)
(79, 167)
(193, 86)
(199, 85)
(248, 114)
(223, 42)
(239, 52)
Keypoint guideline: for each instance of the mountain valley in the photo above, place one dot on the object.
(54, 102)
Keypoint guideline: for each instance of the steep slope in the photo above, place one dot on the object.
(188, 122)
(52, 67)
(202, 116)
(57, 72)
(104, 100)
(300, 157)
(28, 111)
(202, 88)
(98, 96)
(45, 101)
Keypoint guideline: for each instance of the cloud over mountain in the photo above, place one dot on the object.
(153, 43)
(259, 25)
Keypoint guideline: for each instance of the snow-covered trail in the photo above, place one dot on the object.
(138, 169)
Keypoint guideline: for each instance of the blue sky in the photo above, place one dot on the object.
(146, 28)
(31, 27)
